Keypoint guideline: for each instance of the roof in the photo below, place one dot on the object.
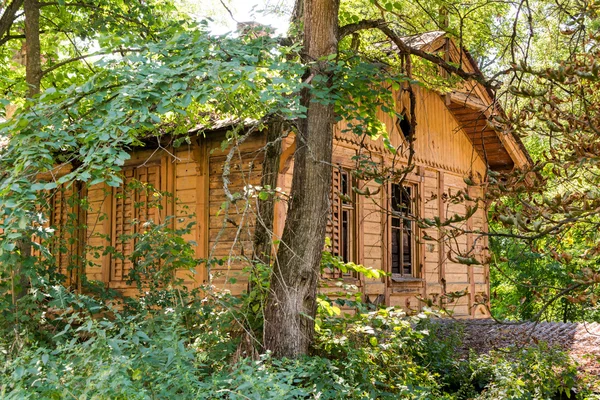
(423, 39)
(217, 124)
(474, 107)
(581, 340)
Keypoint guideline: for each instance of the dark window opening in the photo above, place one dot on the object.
(402, 246)
(346, 217)
(404, 125)
(345, 236)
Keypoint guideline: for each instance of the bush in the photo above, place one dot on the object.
(70, 345)
(539, 372)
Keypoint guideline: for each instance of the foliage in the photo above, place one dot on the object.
(187, 344)
(75, 34)
(545, 243)
(86, 347)
(533, 373)
(523, 281)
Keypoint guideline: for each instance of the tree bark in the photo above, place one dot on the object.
(8, 17)
(291, 305)
(33, 65)
(33, 77)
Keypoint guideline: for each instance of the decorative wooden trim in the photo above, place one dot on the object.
(441, 246)
(202, 206)
(386, 236)
(421, 243)
(485, 254)
(168, 184)
(107, 209)
(375, 147)
(360, 235)
(81, 232)
(470, 268)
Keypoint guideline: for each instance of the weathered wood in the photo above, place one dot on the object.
(265, 211)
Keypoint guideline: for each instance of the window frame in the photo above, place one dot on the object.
(345, 216)
(347, 208)
(415, 269)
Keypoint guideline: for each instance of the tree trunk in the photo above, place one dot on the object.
(291, 306)
(33, 77)
(33, 65)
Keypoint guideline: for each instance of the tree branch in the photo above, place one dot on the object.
(361, 25)
(404, 48)
(8, 17)
(8, 38)
(94, 7)
(84, 56)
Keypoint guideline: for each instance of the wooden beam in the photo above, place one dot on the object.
(470, 100)
(470, 271)
(202, 205)
(441, 246)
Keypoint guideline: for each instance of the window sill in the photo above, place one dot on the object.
(403, 279)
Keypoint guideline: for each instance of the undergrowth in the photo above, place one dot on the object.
(171, 343)
(68, 345)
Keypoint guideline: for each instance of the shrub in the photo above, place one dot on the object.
(539, 372)
(186, 344)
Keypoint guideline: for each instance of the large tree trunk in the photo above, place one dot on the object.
(33, 65)
(33, 77)
(291, 306)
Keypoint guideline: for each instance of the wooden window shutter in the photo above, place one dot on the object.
(130, 210)
(66, 216)
(333, 222)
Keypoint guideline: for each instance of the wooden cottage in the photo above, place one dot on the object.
(454, 140)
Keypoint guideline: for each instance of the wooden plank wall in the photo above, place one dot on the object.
(224, 229)
(444, 157)
(231, 223)
(110, 211)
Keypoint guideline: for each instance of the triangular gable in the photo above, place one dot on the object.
(473, 107)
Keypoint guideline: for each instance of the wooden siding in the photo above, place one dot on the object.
(231, 222)
(114, 212)
(225, 217)
(444, 156)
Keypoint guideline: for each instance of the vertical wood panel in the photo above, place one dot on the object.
(470, 249)
(202, 205)
(441, 246)
(418, 232)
